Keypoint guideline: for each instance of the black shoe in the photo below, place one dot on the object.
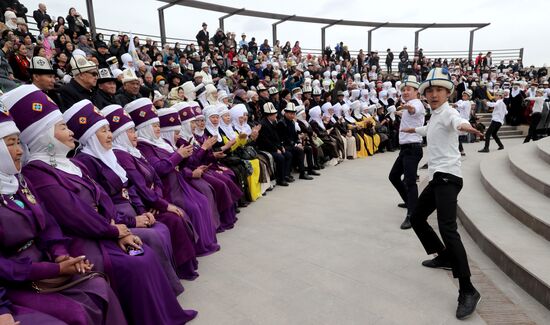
(237, 210)
(483, 150)
(313, 173)
(283, 183)
(406, 223)
(402, 205)
(306, 177)
(289, 179)
(438, 263)
(500, 148)
(467, 303)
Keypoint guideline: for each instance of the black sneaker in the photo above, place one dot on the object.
(483, 150)
(306, 177)
(406, 223)
(438, 263)
(467, 303)
(500, 148)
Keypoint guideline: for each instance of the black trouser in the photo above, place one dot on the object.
(532, 134)
(441, 195)
(283, 162)
(406, 165)
(461, 140)
(297, 158)
(492, 131)
(388, 67)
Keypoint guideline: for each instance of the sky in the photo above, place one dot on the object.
(505, 31)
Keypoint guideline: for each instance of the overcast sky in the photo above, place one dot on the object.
(507, 30)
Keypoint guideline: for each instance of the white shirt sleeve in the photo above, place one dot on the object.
(422, 131)
(455, 119)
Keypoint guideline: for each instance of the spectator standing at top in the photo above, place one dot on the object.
(389, 60)
(404, 56)
(297, 50)
(40, 15)
(243, 44)
(265, 48)
(77, 24)
(202, 37)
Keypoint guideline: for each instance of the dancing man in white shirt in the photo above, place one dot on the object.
(445, 183)
(497, 119)
(412, 115)
(536, 114)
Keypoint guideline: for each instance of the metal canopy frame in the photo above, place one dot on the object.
(274, 27)
(229, 11)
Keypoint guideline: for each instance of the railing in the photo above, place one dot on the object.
(497, 55)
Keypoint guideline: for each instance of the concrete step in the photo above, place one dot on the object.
(508, 190)
(520, 252)
(509, 132)
(544, 150)
(504, 127)
(526, 163)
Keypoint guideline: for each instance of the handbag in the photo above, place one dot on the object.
(246, 153)
(61, 283)
(317, 142)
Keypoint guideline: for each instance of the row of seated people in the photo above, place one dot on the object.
(110, 232)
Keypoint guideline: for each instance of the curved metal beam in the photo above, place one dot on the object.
(370, 35)
(471, 47)
(222, 18)
(274, 27)
(269, 15)
(335, 22)
(418, 32)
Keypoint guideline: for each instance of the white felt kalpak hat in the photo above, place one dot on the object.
(437, 77)
(410, 81)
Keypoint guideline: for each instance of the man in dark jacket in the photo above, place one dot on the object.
(389, 60)
(130, 88)
(292, 143)
(40, 15)
(106, 89)
(268, 140)
(203, 37)
(82, 84)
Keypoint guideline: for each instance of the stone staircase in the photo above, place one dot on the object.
(505, 206)
(505, 131)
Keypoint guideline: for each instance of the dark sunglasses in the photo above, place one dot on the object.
(93, 73)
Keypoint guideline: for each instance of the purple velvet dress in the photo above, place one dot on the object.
(148, 187)
(177, 190)
(84, 211)
(128, 205)
(30, 240)
(26, 315)
(226, 192)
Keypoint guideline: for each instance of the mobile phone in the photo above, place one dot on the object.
(132, 251)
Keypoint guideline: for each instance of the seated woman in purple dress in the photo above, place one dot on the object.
(226, 190)
(218, 193)
(165, 160)
(148, 187)
(87, 215)
(97, 155)
(32, 248)
(11, 314)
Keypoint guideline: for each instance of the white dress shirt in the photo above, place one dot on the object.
(539, 102)
(442, 136)
(464, 107)
(414, 120)
(499, 111)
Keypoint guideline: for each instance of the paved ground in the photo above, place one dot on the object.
(330, 251)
